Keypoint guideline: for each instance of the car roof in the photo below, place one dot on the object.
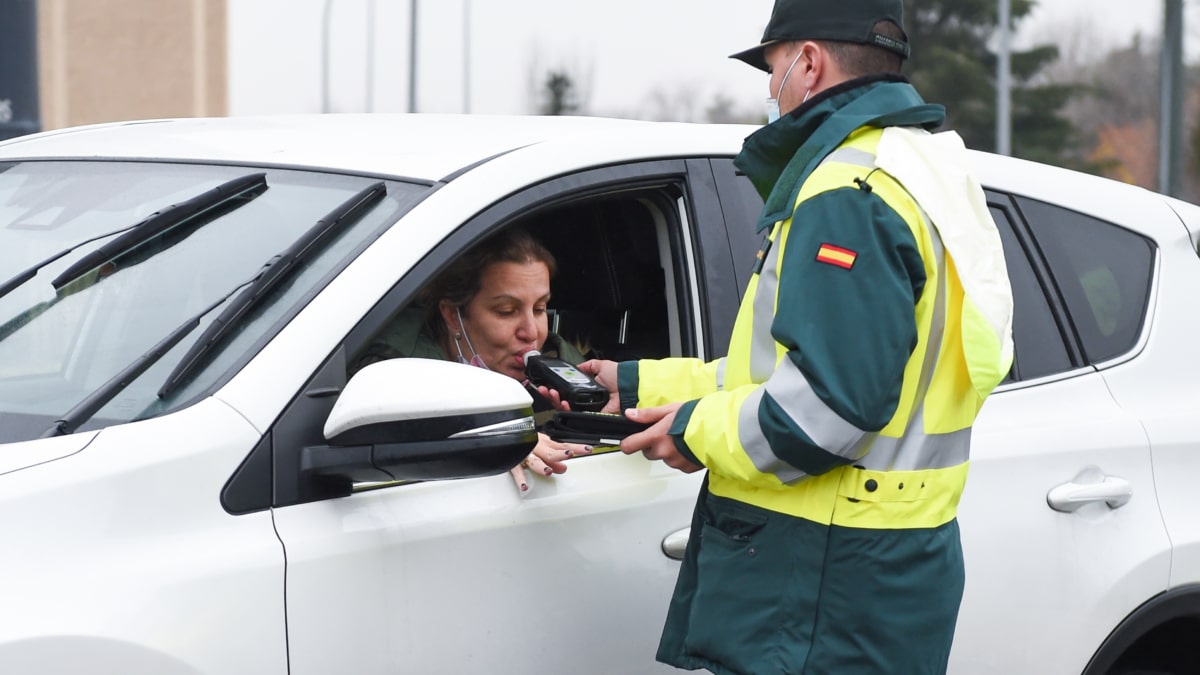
(420, 146)
(436, 147)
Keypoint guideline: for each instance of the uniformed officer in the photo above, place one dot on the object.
(836, 433)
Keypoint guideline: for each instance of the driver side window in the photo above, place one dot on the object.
(612, 297)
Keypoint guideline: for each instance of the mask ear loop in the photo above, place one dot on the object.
(462, 326)
(786, 75)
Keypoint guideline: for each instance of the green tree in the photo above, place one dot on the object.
(953, 64)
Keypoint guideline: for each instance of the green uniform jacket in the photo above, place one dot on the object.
(836, 431)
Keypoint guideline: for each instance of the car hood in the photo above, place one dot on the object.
(17, 456)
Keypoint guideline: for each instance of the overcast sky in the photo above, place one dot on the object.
(621, 51)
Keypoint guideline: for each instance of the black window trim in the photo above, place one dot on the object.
(1057, 299)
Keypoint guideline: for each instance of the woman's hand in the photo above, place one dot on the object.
(548, 457)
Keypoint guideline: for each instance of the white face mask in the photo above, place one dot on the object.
(773, 103)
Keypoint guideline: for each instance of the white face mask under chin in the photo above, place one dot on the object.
(773, 103)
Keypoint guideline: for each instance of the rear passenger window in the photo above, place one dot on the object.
(1039, 349)
(1103, 272)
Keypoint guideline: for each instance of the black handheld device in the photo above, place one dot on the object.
(591, 428)
(572, 384)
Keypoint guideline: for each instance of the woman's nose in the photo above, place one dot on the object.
(527, 329)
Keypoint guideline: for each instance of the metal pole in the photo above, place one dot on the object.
(467, 56)
(412, 61)
(370, 55)
(1170, 128)
(1004, 82)
(325, 56)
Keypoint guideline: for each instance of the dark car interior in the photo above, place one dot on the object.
(611, 297)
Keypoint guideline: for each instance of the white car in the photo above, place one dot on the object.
(191, 483)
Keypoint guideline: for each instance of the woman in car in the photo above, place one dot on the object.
(488, 309)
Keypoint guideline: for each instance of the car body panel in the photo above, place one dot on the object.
(17, 456)
(543, 583)
(1063, 585)
(122, 553)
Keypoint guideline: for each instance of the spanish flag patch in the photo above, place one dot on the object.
(835, 255)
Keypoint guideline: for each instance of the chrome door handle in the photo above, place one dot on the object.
(674, 544)
(1089, 487)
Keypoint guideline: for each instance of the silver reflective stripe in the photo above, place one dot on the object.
(755, 444)
(791, 390)
(851, 156)
(762, 343)
(915, 450)
(721, 374)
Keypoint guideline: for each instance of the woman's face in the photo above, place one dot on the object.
(507, 317)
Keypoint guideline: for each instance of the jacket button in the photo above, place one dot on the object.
(871, 485)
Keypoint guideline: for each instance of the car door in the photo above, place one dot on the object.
(468, 576)
(1045, 585)
(1061, 527)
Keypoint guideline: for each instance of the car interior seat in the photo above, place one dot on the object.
(608, 296)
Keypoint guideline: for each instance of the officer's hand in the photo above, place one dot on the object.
(654, 442)
(605, 373)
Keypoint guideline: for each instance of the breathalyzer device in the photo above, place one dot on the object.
(572, 384)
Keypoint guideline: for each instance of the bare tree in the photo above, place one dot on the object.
(562, 88)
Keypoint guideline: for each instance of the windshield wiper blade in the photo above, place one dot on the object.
(204, 208)
(278, 268)
(27, 274)
(99, 398)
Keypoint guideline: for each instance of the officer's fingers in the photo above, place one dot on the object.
(651, 415)
(613, 407)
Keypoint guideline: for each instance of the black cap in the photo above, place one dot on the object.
(840, 20)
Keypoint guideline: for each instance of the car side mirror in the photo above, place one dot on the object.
(423, 419)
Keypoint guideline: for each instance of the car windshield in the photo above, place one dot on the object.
(166, 243)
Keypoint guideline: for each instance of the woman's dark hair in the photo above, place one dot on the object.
(459, 282)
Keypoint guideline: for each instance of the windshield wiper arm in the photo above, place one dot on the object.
(31, 272)
(99, 398)
(205, 208)
(270, 274)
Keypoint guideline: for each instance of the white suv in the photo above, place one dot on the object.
(191, 482)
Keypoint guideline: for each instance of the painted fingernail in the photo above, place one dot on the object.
(547, 471)
(587, 448)
(568, 452)
(524, 487)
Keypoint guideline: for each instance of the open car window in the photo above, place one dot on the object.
(619, 287)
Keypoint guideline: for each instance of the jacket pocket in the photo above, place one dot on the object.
(735, 615)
